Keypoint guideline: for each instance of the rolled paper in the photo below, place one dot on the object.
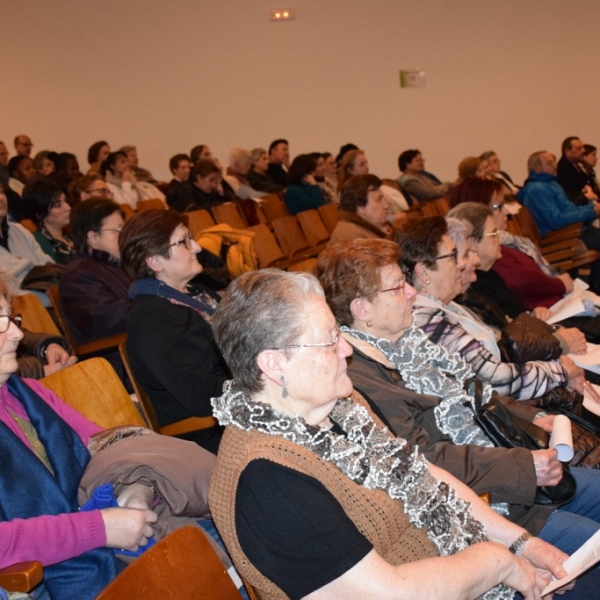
(561, 438)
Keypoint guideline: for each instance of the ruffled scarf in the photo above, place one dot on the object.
(371, 458)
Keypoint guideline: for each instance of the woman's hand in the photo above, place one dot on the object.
(57, 358)
(574, 339)
(136, 495)
(541, 312)
(572, 371)
(548, 470)
(567, 281)
(309, 179)
(128, 528)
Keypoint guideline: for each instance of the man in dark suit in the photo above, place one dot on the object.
(571, 174)
(279, 161)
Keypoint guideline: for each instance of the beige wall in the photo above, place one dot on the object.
(515, 76)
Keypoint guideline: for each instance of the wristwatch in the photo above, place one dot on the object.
(518, 543)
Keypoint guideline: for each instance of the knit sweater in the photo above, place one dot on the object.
(377, 516)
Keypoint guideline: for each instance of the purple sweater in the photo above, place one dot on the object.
(51, 538)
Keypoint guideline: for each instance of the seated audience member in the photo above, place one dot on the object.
(434, 264)
(92, 185)
(551, 207)
(23, 145)
(170, 343)
(343, 150)
(363, 212)
(180, 166)
(138, 172)
(126, 189)
(331, 173)
(237, 174)
(303, 192)
(414, 180)
(495, 169)
(47, 471)
(19, 251)
(203, 189)
(200, 152)
(590, 158)
(97, 153)
(258, 177)
(325, 185)
(48, 208)
(418, 388)
(279, 161)
(473, 166)
(21, 172)
(4, 175)
(327, 503)
(571, 173)
(94, 288)
(44, 162)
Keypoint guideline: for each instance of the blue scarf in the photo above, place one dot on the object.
(154, 287)
(29, 489)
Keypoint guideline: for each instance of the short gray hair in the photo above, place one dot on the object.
(459, 230)
(474, 213)
(237, 155)
(535, 160)
(261, 310)
(256, 153)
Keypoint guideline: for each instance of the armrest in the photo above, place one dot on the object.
(22, 577)
(98, 345)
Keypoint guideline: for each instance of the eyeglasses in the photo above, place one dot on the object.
(494, 233)
(6, 320)
(333, 345)
(99, 192)
(186, 241)
(498, 206)
(453, 255)
(116, 229)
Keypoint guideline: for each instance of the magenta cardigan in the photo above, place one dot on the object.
(51, 538)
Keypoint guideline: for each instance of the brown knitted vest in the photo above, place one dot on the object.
(377, 516)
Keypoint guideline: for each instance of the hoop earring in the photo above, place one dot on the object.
(369, 323)
(284, 391)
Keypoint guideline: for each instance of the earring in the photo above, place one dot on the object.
(284, 392)
(369, 323)
(427, 282)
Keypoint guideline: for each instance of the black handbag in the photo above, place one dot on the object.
(506, 430)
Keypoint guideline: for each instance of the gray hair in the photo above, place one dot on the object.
(127, 149)
(237, 155)
(261, 310)
(535, 160)
(459, 230)
(474, 213)
(256, 153)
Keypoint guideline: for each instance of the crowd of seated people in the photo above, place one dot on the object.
(138, 273)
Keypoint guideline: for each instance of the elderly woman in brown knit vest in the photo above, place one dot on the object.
(312, 496)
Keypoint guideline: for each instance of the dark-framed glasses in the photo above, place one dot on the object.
(6, 320)
(186, 241)
(453, 255)
(333, 345)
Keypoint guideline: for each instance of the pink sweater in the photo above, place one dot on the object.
(52, 538)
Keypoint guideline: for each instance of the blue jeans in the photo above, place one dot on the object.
(571, 525)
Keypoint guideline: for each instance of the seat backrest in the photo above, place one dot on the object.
(527, 224)
(150, 204)
(128, 212)
(198, 221)
(229, 213)
(146, 406)
(330, 214)
(266, 246)
(429, 209)
(94, 389)
(182, 565)
(29, 225)
(312, 226)
(273, 207)
(291, 239)
(35, 315)
(442, 206)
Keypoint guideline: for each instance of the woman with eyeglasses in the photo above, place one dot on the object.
(94, 288)
(440, 268)
(170, 344)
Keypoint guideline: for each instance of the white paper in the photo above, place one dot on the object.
(579, 285)
(577, 563)
(561, 438)
(590, 360)
(569, 306)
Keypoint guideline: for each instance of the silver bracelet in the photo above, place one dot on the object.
(518, 543)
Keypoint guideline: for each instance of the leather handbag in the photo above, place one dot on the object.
(526, 338)
(506, 430)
